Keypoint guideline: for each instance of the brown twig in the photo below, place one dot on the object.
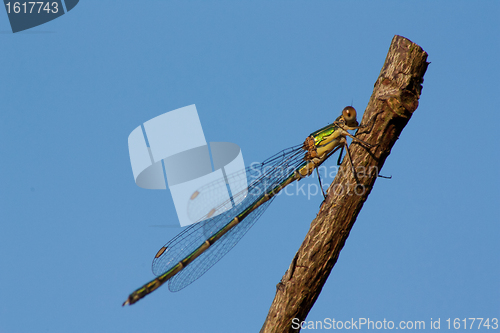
(394, 99)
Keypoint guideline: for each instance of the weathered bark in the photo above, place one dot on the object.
(394, 99)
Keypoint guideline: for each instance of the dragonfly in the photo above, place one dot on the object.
(196, 249)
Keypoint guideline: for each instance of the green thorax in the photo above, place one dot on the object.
(322, 134)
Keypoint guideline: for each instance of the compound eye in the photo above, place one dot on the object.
(349, 114)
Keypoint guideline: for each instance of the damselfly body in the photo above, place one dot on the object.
(196, 249)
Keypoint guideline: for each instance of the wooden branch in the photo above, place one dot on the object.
(394, 99)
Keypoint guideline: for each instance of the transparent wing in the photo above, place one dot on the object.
(211, 199)
(215, 252)
(261, 179)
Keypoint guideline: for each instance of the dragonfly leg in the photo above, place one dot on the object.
(359, 140)
(369, 125)
(339, 161)
(321, 185)
(350, 162)
(368, 145)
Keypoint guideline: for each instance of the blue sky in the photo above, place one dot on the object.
(77, 235)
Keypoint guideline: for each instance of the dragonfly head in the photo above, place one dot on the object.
(349, 115)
